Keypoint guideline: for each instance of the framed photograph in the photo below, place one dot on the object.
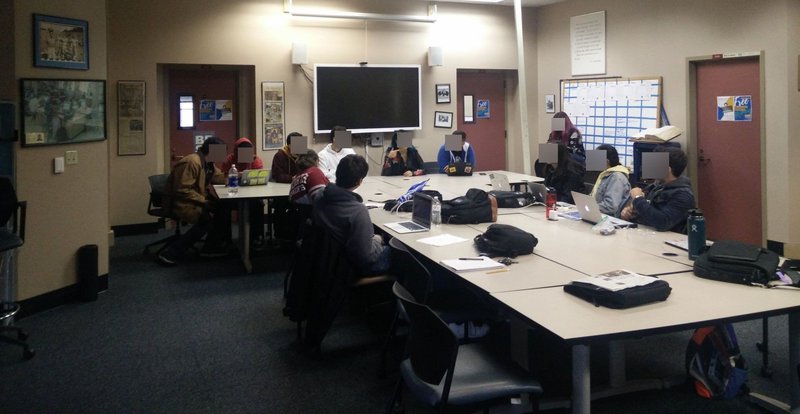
(443, 119)
(469, 109)
(59, 42)
(442, 93)
(62, 111)
(550, 104)
(273, 114)
(130, 118)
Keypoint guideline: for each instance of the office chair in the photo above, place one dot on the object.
(444, 375)
(156, 207)
(14, 211)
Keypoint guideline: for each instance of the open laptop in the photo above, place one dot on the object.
(458, 169)
(420, 216)
(589, 211)
(499, 182)
(539, 192)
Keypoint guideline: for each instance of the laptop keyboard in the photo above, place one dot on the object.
(411, 225)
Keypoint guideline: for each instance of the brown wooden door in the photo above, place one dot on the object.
(729, 152)
(202, 84)
(486, 135)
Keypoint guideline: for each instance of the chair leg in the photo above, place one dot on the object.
(397, 398)
(388, 343)
(763, 347)
(28, 352)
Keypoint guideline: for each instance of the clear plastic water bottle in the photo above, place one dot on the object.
(233, 181)
(436, 212)
(696, 228)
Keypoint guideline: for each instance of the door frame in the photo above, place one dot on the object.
(691, 125)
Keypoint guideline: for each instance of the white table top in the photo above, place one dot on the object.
(254, 191)
(688, 306)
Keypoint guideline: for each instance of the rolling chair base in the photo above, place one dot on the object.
(8, 310)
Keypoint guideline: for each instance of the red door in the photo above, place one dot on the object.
(487, 134)
(202, 85)
(729, 152)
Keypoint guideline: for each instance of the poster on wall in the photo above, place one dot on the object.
(130, 118)
(588, 43)
(216, 110)
(735, 108)
(273, 114)
(482, 108)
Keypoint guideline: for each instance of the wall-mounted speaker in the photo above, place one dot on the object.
(435, 56)
(299, 53)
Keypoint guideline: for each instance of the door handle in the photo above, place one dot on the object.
(701, 159)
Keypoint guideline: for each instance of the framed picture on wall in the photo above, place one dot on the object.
(60, 42)
(130, 118)
(442, 93)
(273, 114)
(443, 119)
(550, 104)
(62, 111)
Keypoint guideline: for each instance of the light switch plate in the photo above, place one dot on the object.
(58, 165)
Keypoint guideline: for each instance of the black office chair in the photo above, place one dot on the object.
(431, 167)
(12, 212)
(444, 375)
(157, 207)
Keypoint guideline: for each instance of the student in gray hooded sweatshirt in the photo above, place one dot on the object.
(342, 212)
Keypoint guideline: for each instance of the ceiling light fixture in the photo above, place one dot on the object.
(430, 18)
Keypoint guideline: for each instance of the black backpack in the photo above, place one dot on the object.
(475, 207)
(512, 199)
(407, 207)
(505, 240)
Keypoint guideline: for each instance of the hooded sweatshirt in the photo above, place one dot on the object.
(256, 164)
(666, 206)
(329, 160)
(343, 213)
(284, 166)
(611, 190)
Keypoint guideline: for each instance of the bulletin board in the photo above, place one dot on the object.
(611, 110)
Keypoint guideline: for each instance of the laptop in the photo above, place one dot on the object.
(589, 211)
(499, 182)
(458, 169)
(420, 216)
(539, 192)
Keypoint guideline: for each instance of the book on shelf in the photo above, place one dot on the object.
(663, 134)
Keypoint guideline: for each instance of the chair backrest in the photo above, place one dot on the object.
(12, 211)
(431, 347)
(158, 191)
(8, 200)
(409, 271)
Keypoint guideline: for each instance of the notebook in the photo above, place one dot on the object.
(499, 182)
(458, 168)
(420, 216)
(589, 211)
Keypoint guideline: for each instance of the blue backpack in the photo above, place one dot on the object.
(714, 363)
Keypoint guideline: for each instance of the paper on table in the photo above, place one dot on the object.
(484, 263)
(442, 240)
(618, 280)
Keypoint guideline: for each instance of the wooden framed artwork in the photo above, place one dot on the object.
(59, 42)
(62, 111)
(273, 114)
(131, 118)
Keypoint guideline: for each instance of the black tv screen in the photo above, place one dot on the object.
(368, 98)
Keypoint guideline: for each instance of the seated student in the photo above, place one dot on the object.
(404, 161)
(233, 158)
(570, 137)
(342, 212)
(612, 186)
(664, 204)
(467, 154)
(565, 176)
(308, 184)
(188, 195)
(330, 156)
(284, 162)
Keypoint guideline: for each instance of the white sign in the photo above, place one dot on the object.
(588, 43)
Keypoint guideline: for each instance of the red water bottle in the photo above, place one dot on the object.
(550, 203)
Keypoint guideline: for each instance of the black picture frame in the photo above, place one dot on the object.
(442, 93)
(60, 42)
(442, 119)
(62, 111)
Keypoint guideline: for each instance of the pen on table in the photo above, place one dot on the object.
(471, 258)
(505, 269)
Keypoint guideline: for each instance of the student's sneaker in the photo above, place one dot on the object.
(165, 260)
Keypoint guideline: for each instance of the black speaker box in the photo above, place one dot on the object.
(88, 282)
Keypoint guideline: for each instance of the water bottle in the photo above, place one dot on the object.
(550, 204)
(436, 212)
(233, 181)
(696, 227)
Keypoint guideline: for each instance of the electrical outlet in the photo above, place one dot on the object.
(376, 139)
(72, 157)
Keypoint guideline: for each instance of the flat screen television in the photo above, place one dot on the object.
(367, 98)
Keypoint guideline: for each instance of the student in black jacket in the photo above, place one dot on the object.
(402, 160)
(566, 176)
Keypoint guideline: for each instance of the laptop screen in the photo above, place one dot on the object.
(421, 213)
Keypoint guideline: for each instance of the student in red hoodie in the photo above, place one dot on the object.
(233, 158)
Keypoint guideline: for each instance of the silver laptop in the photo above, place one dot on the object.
(539, 192)
(420, 216)
(499, 182)
(589, 211)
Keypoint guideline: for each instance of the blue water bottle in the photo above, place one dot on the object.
(696, 227)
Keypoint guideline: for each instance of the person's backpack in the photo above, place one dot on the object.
(512, 199)
(407, 206)
(737, 262)
(505, 240)
(475, 207)
(714, 363)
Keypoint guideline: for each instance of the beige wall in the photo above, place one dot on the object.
(68, 210)
(653, 37)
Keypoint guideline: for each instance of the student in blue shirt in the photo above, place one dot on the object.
(465, 155)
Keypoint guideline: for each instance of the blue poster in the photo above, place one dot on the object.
(743, 108)
(483, 108)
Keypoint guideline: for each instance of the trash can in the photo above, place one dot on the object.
(87, 273)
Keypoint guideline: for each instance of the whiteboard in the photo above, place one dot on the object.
(611, 110)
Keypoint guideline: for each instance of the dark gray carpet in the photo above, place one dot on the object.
(205, 337)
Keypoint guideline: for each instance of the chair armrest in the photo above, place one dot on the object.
(23, 207)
